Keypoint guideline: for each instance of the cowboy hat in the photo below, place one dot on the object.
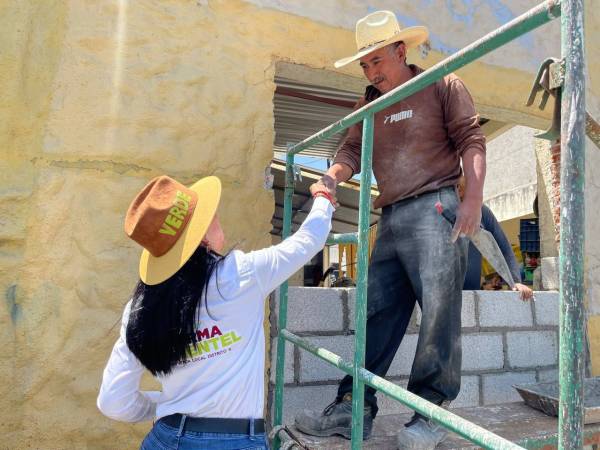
(379, 29)
(169, 221)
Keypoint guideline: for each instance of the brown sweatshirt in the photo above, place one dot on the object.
(418, 142)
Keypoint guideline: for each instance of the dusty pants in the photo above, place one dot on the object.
(414, 261)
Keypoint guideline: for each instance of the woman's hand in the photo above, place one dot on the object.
(326, 190)
(525, 292)
(326, 183)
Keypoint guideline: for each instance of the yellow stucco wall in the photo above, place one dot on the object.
(101, 97)
(593, 329)
(97, 98)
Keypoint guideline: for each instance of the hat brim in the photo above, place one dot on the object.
(412, 37)
(155, 270)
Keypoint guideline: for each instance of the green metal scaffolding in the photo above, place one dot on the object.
(571, 330)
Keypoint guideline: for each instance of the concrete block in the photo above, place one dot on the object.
(498, 388)
(351, 292)
(503, 309)
(532, 348)
(469, 392)
(547, 375)
(313, 309)
(468, 309)
(481, 351)
(313, 368)
(546, 308)
(288, 372)
(550, 271)
(405, 355)
(298, 398)
(537, 279)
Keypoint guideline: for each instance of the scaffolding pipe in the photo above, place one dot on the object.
(360, 313)
(463, 427)
(572, 230)
(535, 17)
(283, 296)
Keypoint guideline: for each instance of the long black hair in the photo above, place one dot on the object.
(164, 317)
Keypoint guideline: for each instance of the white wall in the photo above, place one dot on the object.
(511, 179)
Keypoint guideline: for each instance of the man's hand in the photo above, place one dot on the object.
(319, 186)
(468, 218)
(328, 183)
(525, 292)
(337, 173)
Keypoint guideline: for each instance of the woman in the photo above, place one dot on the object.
(196, 319)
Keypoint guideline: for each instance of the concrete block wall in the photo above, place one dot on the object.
(505, 342)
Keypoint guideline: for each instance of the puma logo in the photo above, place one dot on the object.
(402, 115)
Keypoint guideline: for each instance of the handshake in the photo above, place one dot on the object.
(325, 187)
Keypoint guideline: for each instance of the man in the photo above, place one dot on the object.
(489, 223)
(418, 146)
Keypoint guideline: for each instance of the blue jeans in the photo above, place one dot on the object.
(165, 437)
(414, 262)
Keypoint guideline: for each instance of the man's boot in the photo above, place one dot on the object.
(421, 434)
(335, 419)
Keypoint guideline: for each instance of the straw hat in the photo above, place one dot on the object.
(379, 29)
(169, 221)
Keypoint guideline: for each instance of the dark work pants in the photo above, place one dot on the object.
(414, 261)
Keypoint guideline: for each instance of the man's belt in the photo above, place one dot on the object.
(214, 425)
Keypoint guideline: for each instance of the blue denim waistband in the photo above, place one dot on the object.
(422, 194)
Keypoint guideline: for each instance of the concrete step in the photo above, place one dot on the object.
(515, 422)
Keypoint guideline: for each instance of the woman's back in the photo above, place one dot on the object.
(224, 374)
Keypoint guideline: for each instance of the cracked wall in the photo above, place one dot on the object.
(98, 98)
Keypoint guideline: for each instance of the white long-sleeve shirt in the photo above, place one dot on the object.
(225, 376)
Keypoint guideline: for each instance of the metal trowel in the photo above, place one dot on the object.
(487, 246)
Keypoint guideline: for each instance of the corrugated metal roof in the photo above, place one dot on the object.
(298, 118)
(300, 111)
